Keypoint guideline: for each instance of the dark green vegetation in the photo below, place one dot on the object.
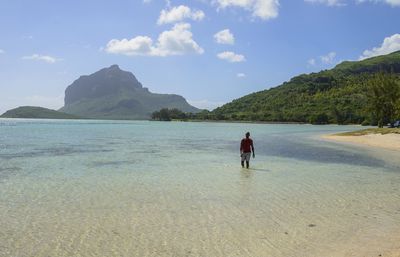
(37, 113)
(112, 93)
(363, 132)
(166, 114)
(384, 97)
(339, 95)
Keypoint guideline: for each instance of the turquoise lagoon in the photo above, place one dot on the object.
(140, 188)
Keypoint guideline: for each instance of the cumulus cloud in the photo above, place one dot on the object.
(224, 37)
(179, 13)
(263, 9)
(240, 75)
(177, 41)
(38, 57)
(329, 58)
(327, 2)
(231, 57)
(389, 45)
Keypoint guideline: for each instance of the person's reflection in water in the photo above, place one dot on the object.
(246, 173)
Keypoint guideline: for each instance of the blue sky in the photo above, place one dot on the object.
(209, 51)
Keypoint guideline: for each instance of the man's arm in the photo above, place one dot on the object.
(252, 149)
(241, 146)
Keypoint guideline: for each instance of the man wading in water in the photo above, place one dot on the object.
(246, 148)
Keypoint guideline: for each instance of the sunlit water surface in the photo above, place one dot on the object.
(112, 188)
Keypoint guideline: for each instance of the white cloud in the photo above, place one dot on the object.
(263, 9)
(344, 2)
(2, 51)
(240, 75)
(224, 37)
(393, 2)
(179, 13)
(329, 58)
(205, 104)
(389, 45)
(231, 57)
(322, 60)
(177, 41)
(327, 2)
(390, 2)
(140, 45)
(38, 57)
(311, 62)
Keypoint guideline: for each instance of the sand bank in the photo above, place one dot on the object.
(387, 141)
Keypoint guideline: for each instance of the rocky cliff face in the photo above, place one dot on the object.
(106, 81)
(112, 93)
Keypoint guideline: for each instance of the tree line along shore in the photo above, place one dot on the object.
(381, 107)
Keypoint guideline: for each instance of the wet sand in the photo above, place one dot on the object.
(388, 141)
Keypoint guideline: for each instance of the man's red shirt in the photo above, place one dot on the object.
(246, 144)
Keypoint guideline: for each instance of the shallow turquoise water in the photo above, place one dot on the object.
(124, 188)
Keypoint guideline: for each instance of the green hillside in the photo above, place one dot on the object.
(338, 96)
(36, 113)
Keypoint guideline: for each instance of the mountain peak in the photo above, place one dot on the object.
(115, 93)
(111, 80)
(114, 67)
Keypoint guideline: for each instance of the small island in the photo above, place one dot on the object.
(34, 112)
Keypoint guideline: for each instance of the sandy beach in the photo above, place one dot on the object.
(388, 141)
(393, 254)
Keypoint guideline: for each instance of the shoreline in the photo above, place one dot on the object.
(173, 120)
(244, 121)
(389, 141)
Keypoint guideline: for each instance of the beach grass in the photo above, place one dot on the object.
(382, 131)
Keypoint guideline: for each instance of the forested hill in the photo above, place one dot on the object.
(338, 95)
(34, 112)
